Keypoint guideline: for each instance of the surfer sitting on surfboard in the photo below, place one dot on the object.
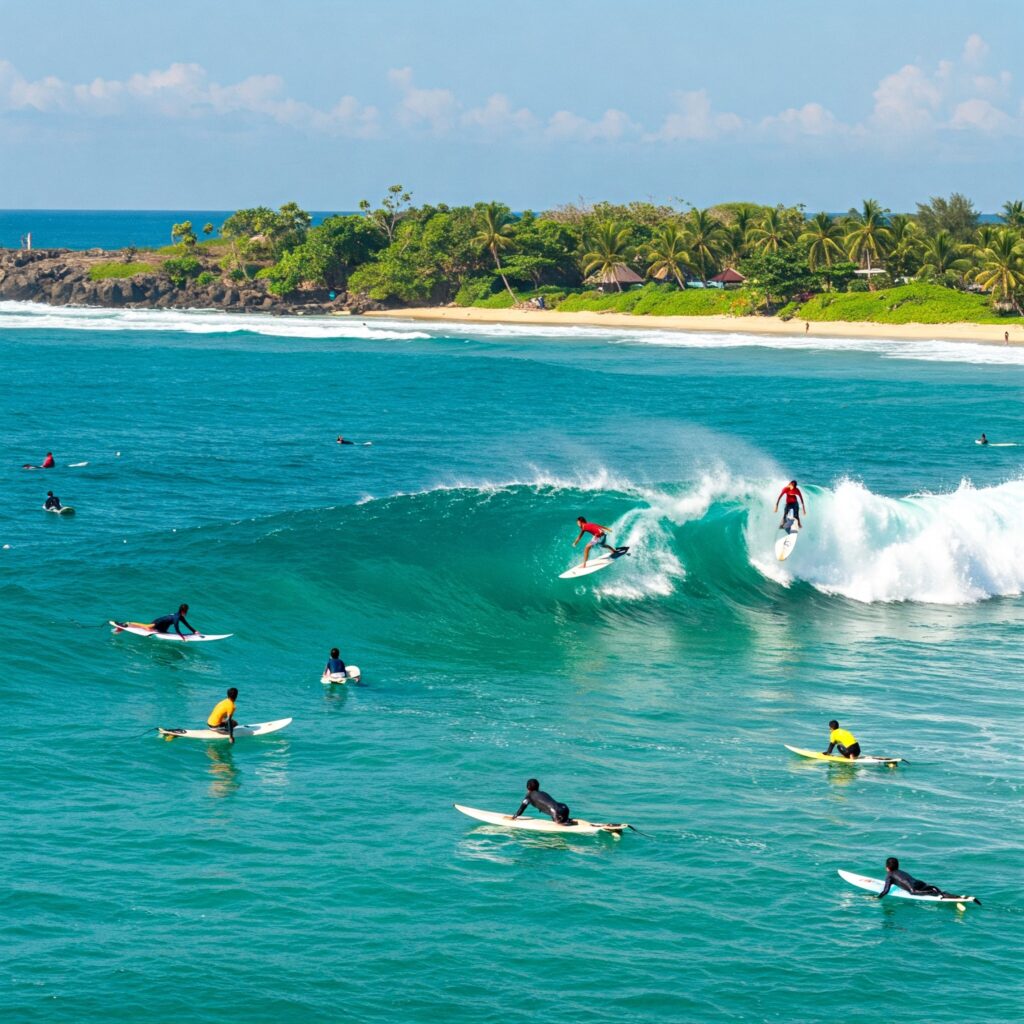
(48, 462)
(221, 716)
(342, 440)
(598, 534)
(794, 498)
(52, 501)
(164, 623)
(894, 876)
(983, 439)
(335, 666)
(544, 802)
(844, 740)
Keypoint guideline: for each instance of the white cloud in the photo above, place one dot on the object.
(497, 116)
(810, 119)
(611, 126)
(906, 101)
(694, 119)
(982, 116)
(435, 108)
(975, 49)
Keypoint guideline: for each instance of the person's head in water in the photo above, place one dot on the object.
(233, 693)
(892, 863)
(532, 785)
(49, 494)
(183, 609)
(833, 724)
(335, 653)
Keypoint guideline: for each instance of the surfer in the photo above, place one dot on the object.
(842, 739)
(335, 666)
(52, 501)
(48, 462)
(544, 802)
(342, 440)
(983, 439)
(794, 498)
(598, 533)
(907, 882)
(221, 716)
(164, 623)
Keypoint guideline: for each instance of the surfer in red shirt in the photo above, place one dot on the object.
(48, 462)
(598, 537)
(794, 498)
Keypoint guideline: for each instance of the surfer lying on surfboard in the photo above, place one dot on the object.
(794, 498)
(221, 717)
(902, 880)
(598, 534)
(844, 740)
(544, 802)
(164, 623)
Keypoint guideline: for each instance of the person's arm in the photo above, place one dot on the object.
(188, 625)
(830, 746)
(802, 502)
(779, 498)
(606, 529)
(578, 536)
(885, 888)
(522, 807)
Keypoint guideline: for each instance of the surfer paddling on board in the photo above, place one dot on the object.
(52, 501)
(335, 666)
(843, 740)
(544, 802)
(983, 439)
(907, 882)
(598, 537)
(794, 499)
(221, 717)
(164, 623)
(342, 440)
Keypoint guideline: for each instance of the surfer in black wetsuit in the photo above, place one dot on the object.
(342, 440)
(164, 623)
(52, 501)
(983, 439)
(544, 802)
(902, 880)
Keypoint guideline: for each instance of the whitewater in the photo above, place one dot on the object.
(322, 872)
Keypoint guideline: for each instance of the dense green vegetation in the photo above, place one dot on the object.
(936, 265)
(103, 271)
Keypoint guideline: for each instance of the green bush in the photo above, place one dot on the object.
(474, 290)
(182, 269)
(205, 278)
(654, 300)
(103, 271)
(908, 304)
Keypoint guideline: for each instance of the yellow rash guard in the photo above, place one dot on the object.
(224, 710)
(835, 736)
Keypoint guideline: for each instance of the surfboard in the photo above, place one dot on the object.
(76, 465)
(350, 675)
(593, 565)
(876, 885)
(144, 629)
(998, 444)
(259, 729)
(578, 827)
(784, 545)
(864, 759)
(64, 510)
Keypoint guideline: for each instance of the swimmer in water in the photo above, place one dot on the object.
(544, 802)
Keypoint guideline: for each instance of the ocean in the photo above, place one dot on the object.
(322, 874)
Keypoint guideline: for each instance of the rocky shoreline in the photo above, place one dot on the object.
(61, 277)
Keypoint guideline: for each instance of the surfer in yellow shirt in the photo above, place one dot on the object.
(220, 717)
(842, 739)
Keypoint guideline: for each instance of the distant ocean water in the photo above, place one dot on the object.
(321, 874)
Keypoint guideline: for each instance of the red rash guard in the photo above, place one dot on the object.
(791, 494)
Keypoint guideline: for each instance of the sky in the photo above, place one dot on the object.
(217, 105)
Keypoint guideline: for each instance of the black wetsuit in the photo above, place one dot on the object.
(52, 502)
(910, 884)
(853, 750)
(164, 623)
(546, 804)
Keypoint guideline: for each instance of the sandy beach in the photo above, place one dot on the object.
(991, 334)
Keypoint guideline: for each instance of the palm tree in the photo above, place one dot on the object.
(495, 234)
(607, 249)
(868, 236)
(821, 238)
(771, 232)
(943, 257)
(984, 236)
(1002, 268)
(1013, 214)
(704, 241)
(667, 253)
(904, 242)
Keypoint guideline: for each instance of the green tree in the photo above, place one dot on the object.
(770, 232)
(1002, 269)
(668, 253)
(943, 259)
(704, 242)
(778, 276)
(208, 229)
(1013, 214)
(822, 237)
(867, 236)
(606, 250)
(495, 235)
(393, 207)
(955, 215)
(902, 258)
(184, 234)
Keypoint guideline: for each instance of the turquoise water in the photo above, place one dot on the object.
(322, 874)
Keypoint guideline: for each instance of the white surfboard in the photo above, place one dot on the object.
(998, 444)
(350, 675)
(785, 544)
(143, 629)
(64, 510)
(876, 885)
(865, 759)
(76, 465)
(259, 729)
(593, 565)
(577, 827)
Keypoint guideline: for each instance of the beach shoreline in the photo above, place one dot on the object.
(980, 334)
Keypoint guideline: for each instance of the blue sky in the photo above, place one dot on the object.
(219, 105)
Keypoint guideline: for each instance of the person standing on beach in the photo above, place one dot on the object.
(794, 498)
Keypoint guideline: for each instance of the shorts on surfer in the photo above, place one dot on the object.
(598, 537)
(794, 499)
(165, 622)
(52, 501)
(221, 717)
(544, 802)
(843, 740)
(895, 876)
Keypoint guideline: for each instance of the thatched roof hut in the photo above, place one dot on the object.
(619, 275)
